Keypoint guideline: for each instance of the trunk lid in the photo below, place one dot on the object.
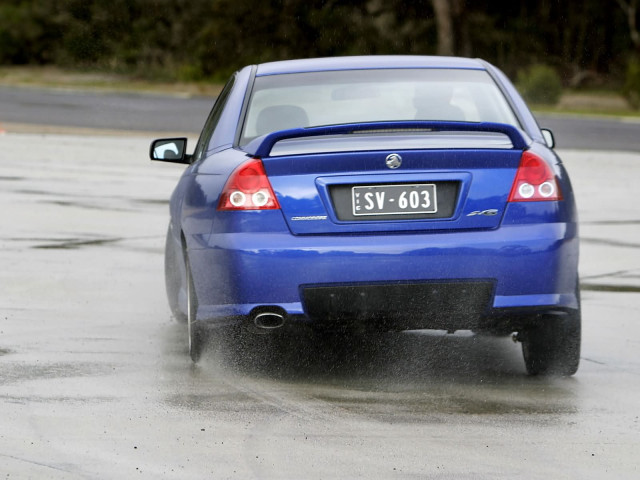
(410, 178)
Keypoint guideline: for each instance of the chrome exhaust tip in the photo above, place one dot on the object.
(268, 321)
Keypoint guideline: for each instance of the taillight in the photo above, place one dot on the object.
(248, 188)
(535, 181)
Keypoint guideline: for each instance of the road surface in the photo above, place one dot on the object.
(95, 380)
(172, 114)
(114, 111)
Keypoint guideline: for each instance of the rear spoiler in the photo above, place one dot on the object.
(261, 146)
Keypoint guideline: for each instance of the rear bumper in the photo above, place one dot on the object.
(527, 267)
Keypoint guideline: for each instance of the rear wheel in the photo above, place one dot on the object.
(552, 347)
(173, 277)
(196, 332)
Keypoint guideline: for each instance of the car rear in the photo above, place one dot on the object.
(347, 211)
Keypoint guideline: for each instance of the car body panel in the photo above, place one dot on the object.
(271, 269)
(307, 194)
(521, 256)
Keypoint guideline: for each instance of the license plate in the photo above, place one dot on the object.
(394, 199)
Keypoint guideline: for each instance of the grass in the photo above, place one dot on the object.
(53, 77)
(590, 102)
(582, 102)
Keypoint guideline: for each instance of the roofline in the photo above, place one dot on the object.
(368, 62)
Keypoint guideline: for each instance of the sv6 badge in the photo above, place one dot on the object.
(487, 213)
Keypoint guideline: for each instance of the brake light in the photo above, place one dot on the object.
(535, 181)
(248, 188)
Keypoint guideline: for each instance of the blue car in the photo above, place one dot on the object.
(375, 193)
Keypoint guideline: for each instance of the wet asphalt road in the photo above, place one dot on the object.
(95, 380)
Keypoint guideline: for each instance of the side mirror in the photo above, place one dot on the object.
(548, 137)
(170, 150)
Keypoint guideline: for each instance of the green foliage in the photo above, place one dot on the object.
(202, 39)
(540, 84)
(27, 32)
(189, 73)
(631, 89)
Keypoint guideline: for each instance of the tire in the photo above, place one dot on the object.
(173, 277)
(552, 347)
(197, 334)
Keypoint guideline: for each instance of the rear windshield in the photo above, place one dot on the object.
(280, 102)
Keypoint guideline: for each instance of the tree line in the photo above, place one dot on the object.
(585, 41)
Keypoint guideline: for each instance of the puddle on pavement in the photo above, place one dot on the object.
(425, 401)
(608, 243)
(67, 401)
(33, 192)
(596, 287)
(21, 372)
(406, 408)
(88, 206)
(151, 201)
(69, 244)
(626, 282)
(611, 222)
(82, 201)
(230, 402)
(410, 378)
